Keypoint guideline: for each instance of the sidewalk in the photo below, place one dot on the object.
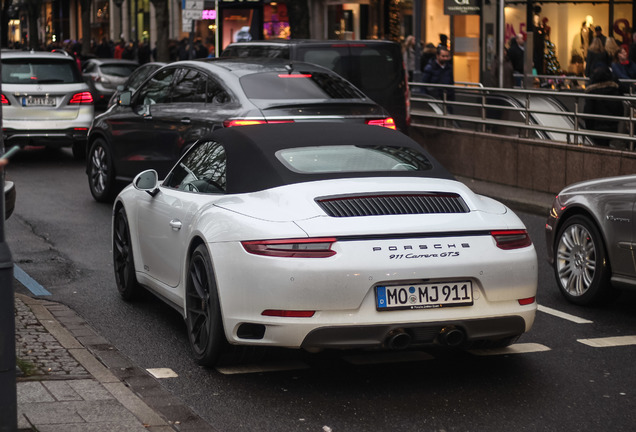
(71, 379)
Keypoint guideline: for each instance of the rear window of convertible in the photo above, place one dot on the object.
(298, 85)
(344, 159)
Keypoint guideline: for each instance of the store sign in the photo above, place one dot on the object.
(462, 7)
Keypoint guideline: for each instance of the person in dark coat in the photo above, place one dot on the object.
(516, 56)
(440, 71)
(428, 53)
(623, 67)
(596, 56)
(602, 83)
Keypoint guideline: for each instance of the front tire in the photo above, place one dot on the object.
(581, 264)
(101, 175)
(123, 262)
(203, 311)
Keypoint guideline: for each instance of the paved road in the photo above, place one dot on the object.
(556, 378)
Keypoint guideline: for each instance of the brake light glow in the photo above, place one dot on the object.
(5, 101)
(242, 122)
(294, 75)
(511, 239)
(385, 122)
(292, 248)
(288, 313)
(82, 98)
(526, 301)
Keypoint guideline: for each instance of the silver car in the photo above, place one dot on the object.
(590, 238)
(104, 75)
(45, 102)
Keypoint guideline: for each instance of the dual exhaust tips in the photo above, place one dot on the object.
(449, 336)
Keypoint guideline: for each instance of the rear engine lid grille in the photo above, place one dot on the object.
(392, 204)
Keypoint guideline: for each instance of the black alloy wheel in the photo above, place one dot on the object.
(203, 312)
(581, 264)
(123, 262)
(101, 175)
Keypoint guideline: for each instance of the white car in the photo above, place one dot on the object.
(45, 101)
(323, 235)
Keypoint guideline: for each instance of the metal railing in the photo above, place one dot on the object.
(526, 113)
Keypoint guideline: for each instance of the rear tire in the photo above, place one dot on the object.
(203, 311)
(101, 174)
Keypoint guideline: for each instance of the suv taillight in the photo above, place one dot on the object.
(5, 101)
(82, 98)
(385, 122)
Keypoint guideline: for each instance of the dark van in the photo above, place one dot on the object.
(374, 66)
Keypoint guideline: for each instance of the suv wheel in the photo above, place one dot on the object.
(101, 175)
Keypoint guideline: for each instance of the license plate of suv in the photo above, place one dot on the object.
(424, 296)
(38, 101)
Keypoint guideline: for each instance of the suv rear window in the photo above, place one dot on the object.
(312, 85)
(117, 69)
(39, 71)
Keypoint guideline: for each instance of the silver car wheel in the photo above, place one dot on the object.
(101, 173)
(576, 260)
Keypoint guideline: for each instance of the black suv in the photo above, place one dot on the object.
(374, 66)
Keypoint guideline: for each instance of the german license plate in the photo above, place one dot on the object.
(38, 101)
(424, 296)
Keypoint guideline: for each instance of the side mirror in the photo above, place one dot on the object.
(124, 98)
(147, 181)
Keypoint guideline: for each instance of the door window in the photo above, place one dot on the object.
(202, 170)
(189, 87)
(157, 89)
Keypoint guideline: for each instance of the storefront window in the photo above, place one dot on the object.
(276, 21)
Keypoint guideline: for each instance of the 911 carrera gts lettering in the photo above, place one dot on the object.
(410, 255)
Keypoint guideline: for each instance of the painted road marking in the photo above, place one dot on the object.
(609, 341)
(30, 283)
(564, 315)
(387, 357)
(161, 373)
(522, 348)
(263, 367)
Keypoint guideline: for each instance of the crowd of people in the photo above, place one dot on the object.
(435, 65)
(140, 51)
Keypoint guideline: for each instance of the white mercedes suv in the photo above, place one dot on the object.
(45, 102)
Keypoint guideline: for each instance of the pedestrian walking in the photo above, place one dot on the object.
(440, 71)
(602, 83)
(428, 53)
(516, 54)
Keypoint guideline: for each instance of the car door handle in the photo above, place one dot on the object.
(186, 120)
(175, 224)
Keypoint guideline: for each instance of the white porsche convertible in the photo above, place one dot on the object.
(323, 235)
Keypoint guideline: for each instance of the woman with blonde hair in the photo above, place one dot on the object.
(612, 48)
(596, 56)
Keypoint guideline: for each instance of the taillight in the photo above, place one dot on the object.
(288, 313)
(296, 75)
(511, 239)
(385, 122)
(5, 101)
(82, 98)
(243, 122)
(292, 248)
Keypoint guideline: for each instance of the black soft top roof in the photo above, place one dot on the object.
(252, 164)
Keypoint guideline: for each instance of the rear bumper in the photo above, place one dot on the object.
(418, 334)
(49, 138)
